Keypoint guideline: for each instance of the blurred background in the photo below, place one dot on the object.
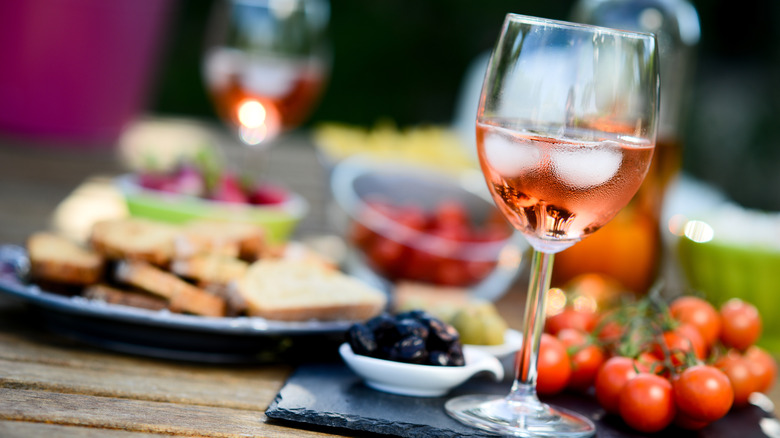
(401, 60)
(405, 60)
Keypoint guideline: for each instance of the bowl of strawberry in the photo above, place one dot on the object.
(190, 191)
(413, 224)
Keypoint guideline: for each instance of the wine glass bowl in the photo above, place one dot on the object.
(566, 130)
(265, 64)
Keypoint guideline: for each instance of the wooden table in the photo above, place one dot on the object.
(53, 386)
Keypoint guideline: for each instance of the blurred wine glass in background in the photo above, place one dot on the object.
(265, 64)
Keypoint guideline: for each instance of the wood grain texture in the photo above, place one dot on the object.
(137, 415)
(23, 429)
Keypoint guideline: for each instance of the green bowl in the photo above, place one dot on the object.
(721, 270)
(279, 221)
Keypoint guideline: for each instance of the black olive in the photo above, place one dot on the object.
(361, 339)
(439, 358)
(411, 327)
(455, 354)
(380, 322)
(411, 349)
(414, 336)
(441, 336)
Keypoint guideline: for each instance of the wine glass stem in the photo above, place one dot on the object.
(524, 387)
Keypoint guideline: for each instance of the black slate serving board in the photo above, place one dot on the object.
(331, 395)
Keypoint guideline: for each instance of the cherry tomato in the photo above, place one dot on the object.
(418, 265)
(742, 379)
(703, 393)
(608, 330)
(450, 272)
(553, 366)
(647, 403)
(412, 216)
(611, 379)
(678, 343)
(586, 358)
(699, 313)
(741, 324)
(650, 363)
(763, 366)
(697, 343)
(386, 255)
(449, 213)
(571, 318)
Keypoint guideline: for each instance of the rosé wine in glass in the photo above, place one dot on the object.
(557, 191)
(262, 97)
(265, 64)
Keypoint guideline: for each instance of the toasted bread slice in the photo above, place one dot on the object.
(242, 240)
(181, 296)
(235, 305)
(135, 239)
(210, 268)
(56, 259)
(410, 295)
(113, 295)
(291, 290)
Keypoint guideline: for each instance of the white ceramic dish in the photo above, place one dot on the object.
(419, 380)
(513, 340)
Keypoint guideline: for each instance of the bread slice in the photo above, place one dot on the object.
(409, 295)
(56, 259)
(290, 290)
(210, 269)
(238, 239)
(181, 296)
(113, 295)
(135, 239)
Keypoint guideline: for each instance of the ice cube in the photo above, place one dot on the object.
(510, 157)
(584, 167)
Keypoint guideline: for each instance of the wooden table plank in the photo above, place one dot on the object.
(31, 358)
(137, 415)
(23, 429)
(148, 384)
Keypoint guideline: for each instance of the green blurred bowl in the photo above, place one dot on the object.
(279, 221)
(722, 268)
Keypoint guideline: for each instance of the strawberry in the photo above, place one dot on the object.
(228, 189)
(267, 194)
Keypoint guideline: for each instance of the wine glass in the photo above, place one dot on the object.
(265, 64)
(566, 130)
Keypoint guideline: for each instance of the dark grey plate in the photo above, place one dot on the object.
(169, 335)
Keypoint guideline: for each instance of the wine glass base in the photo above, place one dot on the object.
(499, 415)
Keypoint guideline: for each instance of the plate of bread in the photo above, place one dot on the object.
(204, 291)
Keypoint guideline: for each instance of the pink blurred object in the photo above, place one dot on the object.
(77, 70)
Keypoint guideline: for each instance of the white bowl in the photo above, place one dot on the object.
(419, 380)
(356, 180)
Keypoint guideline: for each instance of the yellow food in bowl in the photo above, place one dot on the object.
(425, 145)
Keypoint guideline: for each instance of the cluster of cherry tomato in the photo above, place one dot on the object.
(436, 246)
(654, 365)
